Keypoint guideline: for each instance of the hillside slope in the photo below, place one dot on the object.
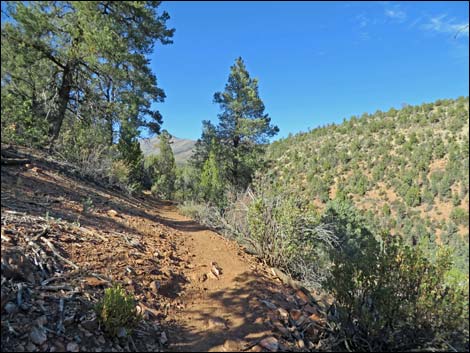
(182, 148)
(65, 239)
(407, 169)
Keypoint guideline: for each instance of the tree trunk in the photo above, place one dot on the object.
(109, 123)
(57, 119)
(236, 142)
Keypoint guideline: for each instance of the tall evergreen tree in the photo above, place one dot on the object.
(95, 58)
(243, 126)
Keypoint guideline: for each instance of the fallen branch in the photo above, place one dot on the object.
(60, 323)
(54, 251)
(57, 288)
(14, 161)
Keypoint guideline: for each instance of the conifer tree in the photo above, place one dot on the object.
(91, 56)
(243, 125)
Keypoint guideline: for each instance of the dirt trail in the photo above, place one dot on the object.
(103, 236)
(223, 313)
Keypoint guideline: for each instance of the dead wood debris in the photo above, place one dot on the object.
(48, 299)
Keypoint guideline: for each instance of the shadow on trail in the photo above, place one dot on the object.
(244, 323)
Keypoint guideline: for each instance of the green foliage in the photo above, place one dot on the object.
(119, 173)
(212, 186)
(162, 168)
(186, 183)
(83, 60)
(18, 123)
(459, 216)
(87, 204)
(242, 130)
(86, 148)
(388, 295)
(75, 76)
(412, 197)
(117, 311)
(411, 156)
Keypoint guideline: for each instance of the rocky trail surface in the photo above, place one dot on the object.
(66, 237)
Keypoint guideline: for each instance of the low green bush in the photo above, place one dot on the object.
(390, 296)
(117, 311)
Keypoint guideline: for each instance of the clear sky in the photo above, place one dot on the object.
(317, 62)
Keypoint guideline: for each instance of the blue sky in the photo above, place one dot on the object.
(317, 62)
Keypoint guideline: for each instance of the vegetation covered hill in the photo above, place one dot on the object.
(182, 148)
(406, 169)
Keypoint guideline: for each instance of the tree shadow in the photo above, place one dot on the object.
(238, 319)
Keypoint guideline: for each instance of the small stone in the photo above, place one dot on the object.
(122, 332)
(41, 320)
(259, 320)
(163, 338)
(256, 348)
(283, 313)
(93, 282)
(10, 308)
(301, 320)
(216, 322)
(296, 333)
(90, 325)
(231, 346)
(38, 335)
(311, 332)
(301, 344)
(316, 318)
(216, 270)
(302, 298)
(311, 345)
(155, 286)
(112, 213)
(280, 327)
(72, 347)
(211, 275)
(87, 333)
(101, 339)
(269, 304)
(295, 314)
(58, 346)
(25, 306)
(270, 343)
(68, 320)
(310, 309)
(30, 347)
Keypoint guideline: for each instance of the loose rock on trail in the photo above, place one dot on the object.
(65, 238)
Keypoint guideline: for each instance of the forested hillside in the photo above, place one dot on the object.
(406, 169)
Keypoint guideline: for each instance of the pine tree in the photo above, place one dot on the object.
(90, 55)
(243, 126)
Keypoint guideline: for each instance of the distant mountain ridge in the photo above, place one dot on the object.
(182, 148)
